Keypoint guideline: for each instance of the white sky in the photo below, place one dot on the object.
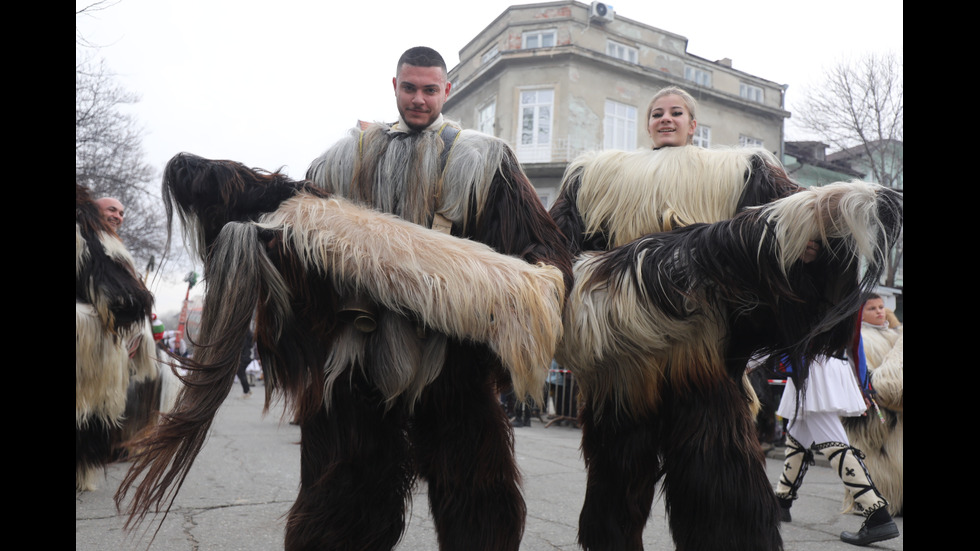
(273, 84)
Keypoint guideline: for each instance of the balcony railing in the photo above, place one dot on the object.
(564, 150)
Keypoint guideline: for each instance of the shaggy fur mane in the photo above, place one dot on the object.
(696, 302)
(207, 194)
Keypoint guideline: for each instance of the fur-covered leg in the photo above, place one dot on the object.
(355, 476)
(93, 451)
(465, 452)
(621, 455)
(717, 492)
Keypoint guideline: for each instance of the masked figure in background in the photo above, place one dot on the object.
(114, 347)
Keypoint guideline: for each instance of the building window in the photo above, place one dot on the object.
(539, 39)
(751, 93)
(485, 118)
(622, 51)
(698, 76)
(749, 141)
(619, 127)
(489, 54)
(702, 136)
(537, 107)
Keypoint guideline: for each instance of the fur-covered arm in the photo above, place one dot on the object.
(888, 380)
(565, 212)
(515, 222)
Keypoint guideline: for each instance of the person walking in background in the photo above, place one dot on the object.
(814, 424)
(243, 364)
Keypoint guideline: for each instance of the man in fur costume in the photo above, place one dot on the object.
(666, 311)
(412, 274)
(427, 170)
(113, 340)
(879, 433)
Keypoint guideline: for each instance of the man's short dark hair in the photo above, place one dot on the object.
(421, 56)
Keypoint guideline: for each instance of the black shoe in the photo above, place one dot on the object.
(784, 515)
(871, 534)
(784, 505)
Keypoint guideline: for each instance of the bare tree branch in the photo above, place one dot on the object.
(859, 110)
(109, 156)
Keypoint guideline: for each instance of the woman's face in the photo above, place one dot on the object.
(670, 123)
(874, 312)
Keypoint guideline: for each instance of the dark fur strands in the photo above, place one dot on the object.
(167, 454)
(207, 194)
(658, 333)
(530, 236)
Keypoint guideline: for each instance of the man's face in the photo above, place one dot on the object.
(112, 211)
(420, 93)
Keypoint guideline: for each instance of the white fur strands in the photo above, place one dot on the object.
(101, 373)
(630, 194)
(888, 376)
(458, 287)
(842, 210)
(369, 167)
(883, 442)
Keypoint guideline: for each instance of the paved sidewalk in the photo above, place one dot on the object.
(242, 485)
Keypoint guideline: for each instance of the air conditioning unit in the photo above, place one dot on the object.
(601, 12)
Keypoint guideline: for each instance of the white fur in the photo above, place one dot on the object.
(633, 193)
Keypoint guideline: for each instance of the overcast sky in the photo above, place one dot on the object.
(273, 84)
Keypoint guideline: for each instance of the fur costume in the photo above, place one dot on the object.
(113, 342)
(411, 394)
(882, 439)
(609, 198)
(658, 331)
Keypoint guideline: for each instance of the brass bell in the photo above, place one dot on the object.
(359, 312)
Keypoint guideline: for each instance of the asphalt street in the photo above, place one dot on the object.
(244, 481)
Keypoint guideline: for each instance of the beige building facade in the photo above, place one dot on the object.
(556, 79)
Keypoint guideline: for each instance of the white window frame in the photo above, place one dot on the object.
(697, 75)
(534, 143)
(702, 136)
(622, 51)
(486, 116)
(749, 141)
(751, 92)
(619, 126)
(539, 37)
